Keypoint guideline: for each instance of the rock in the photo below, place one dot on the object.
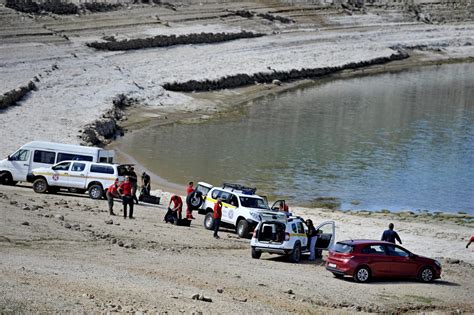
(113, 241)
(276, 82)
(26, 208)
(59, 217)
(195, 296)
(120, 243)
(109, 221)
(67, 225)
(13, 202)
(452, 261)
(220, 290)
(205, 299)
(76, 227)
(127, 245)
(289, 291)
(25, 223)
(239, 300)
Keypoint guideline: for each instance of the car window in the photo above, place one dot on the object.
(104, 169)
(20, 155)
(374, 249)
(234, 200)
(216, 193)
(78, 167)
(300, 227)
(72, 157)
(45, 157)
(343, 248)
(393, 250)
(225, 196)
(293, 228)
(250, 202)
(61, 166)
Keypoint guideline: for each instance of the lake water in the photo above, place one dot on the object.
(391, 141)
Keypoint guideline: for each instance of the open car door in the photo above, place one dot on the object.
(276, 205)
(326, 234)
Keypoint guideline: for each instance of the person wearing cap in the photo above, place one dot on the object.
(217, 216)
(111, 194)
(125, 191)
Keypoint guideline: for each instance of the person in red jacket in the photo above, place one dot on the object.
(189, 212)
(125, 191)
(111, 194)
(470, 241)
(177, 205)
(217, 216)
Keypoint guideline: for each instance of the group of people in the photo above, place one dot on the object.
(127, 191)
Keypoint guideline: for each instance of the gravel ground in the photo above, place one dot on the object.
(58, 253)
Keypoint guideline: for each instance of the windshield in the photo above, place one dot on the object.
(343, 248)
(250, 202)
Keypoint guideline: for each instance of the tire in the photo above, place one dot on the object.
(96, 192)
(76, 190)
(7, 179)
(362, 274)
(53, 190)
(243, 229)
(255, 253)
(295, 255)
(40, 186)
(338, 275)
(194, 200)
(426, 274)
(209, 221)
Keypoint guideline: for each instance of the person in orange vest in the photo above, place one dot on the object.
(111, 194)
(217, 216)
(125, 191)
(189, 212)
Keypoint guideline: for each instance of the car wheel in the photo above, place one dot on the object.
(295, 255)
(362, 274)
(243, 228)
(40, 185)
(96, 192)
(194, 200)
(426, 274)
(7, 179)
(255, 253)
(338, 275)
(209, 221)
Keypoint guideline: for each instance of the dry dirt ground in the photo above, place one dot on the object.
(58, 254)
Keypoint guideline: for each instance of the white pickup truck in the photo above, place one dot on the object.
(80, 176)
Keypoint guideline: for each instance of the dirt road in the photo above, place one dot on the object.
(59, 253)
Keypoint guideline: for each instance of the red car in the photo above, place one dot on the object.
(363, 259)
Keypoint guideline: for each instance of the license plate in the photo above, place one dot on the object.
(332, 265)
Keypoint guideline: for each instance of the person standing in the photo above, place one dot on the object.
(390, 235)
(146, 183)
(217, 217)
(312, 238)
(134, 181)
(111, 194)
(125, 191)
(189, 211)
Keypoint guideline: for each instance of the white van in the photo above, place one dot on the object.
(37, 154)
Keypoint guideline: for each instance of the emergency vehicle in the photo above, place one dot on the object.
(81, 176)
(240, 206)
(20, 163)
(276, 233)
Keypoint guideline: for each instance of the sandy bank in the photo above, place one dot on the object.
(58, 253)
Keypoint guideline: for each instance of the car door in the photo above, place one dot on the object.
(375, 256)
(302, 234)
(276, 205)
(326, 235)
(77, 175)
(60, 174)
(227, 208)
(402, 262)
(19, 164)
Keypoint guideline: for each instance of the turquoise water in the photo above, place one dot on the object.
(391, 141)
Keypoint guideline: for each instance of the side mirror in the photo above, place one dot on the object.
(9, 158)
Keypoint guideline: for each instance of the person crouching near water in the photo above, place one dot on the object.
(312, 238)
(177, 206)
(111, 194)
(217, 216)
(125, 191)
